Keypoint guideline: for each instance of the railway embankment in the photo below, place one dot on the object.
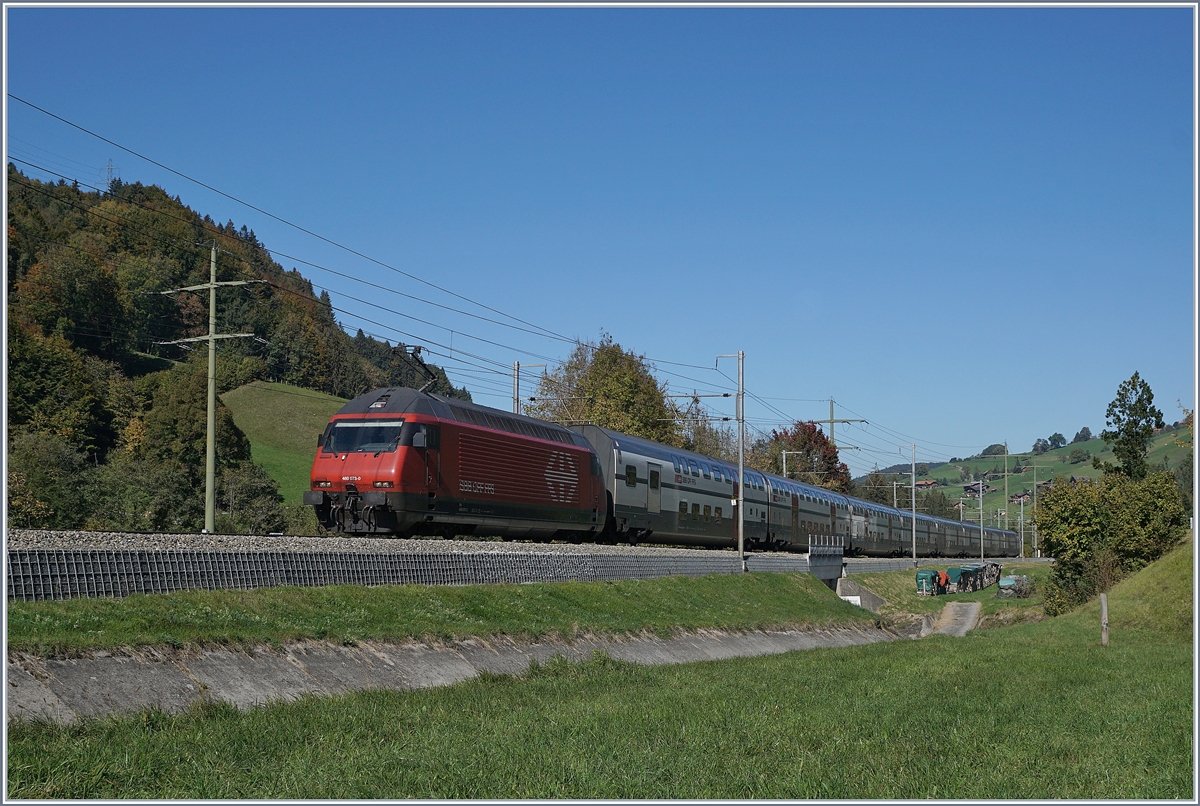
(85, 657)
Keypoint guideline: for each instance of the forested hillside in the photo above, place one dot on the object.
(106, 425)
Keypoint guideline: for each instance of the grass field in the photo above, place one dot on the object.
(282, 423)
(1033, 711)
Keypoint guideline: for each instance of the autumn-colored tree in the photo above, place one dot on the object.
(811, 457)
(77, 296)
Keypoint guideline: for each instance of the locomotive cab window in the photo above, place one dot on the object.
(630, 476)
(363, 436)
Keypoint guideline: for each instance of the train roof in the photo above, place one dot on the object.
(402, 400)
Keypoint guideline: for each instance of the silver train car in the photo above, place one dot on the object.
(660, 494)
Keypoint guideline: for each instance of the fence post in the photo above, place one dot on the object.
(1104, 619)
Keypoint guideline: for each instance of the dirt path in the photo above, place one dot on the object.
(957, 619)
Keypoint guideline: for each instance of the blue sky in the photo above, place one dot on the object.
(965, 225)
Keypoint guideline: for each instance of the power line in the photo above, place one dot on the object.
(545, 331)
(300, 260)
(284, 220)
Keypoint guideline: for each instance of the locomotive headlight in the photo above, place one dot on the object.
(317, 485)
(383, 484)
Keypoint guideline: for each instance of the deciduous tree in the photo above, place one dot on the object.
(1098, 532)
(811, 457)
(609, 386)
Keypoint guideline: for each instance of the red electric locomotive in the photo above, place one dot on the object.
(399, 461)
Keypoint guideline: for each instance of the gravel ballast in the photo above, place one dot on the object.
(35, 539)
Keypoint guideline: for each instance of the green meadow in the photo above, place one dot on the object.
(1034, 711)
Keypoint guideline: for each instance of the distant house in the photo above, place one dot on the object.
(1081, 480)
(928, 484)
(972, 490)
(1019, 498)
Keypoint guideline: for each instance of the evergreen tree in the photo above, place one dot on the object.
(1131, 420)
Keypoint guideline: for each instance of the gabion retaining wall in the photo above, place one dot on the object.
(35, 575)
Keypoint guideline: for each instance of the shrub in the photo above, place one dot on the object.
(1101, 532)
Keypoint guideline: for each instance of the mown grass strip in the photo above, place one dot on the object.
(397, 612)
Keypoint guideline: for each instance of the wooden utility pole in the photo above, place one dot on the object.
(1104, 619)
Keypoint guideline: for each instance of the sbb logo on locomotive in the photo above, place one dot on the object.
(561, 477)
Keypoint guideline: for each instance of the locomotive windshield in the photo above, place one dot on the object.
(364, 436)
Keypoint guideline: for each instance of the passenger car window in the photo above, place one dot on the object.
(693, 467)
(717, 514)
(630, 476)
(695, 512)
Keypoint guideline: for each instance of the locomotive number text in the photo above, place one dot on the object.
(476, 487)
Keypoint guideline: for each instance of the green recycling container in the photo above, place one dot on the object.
(927, 580)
